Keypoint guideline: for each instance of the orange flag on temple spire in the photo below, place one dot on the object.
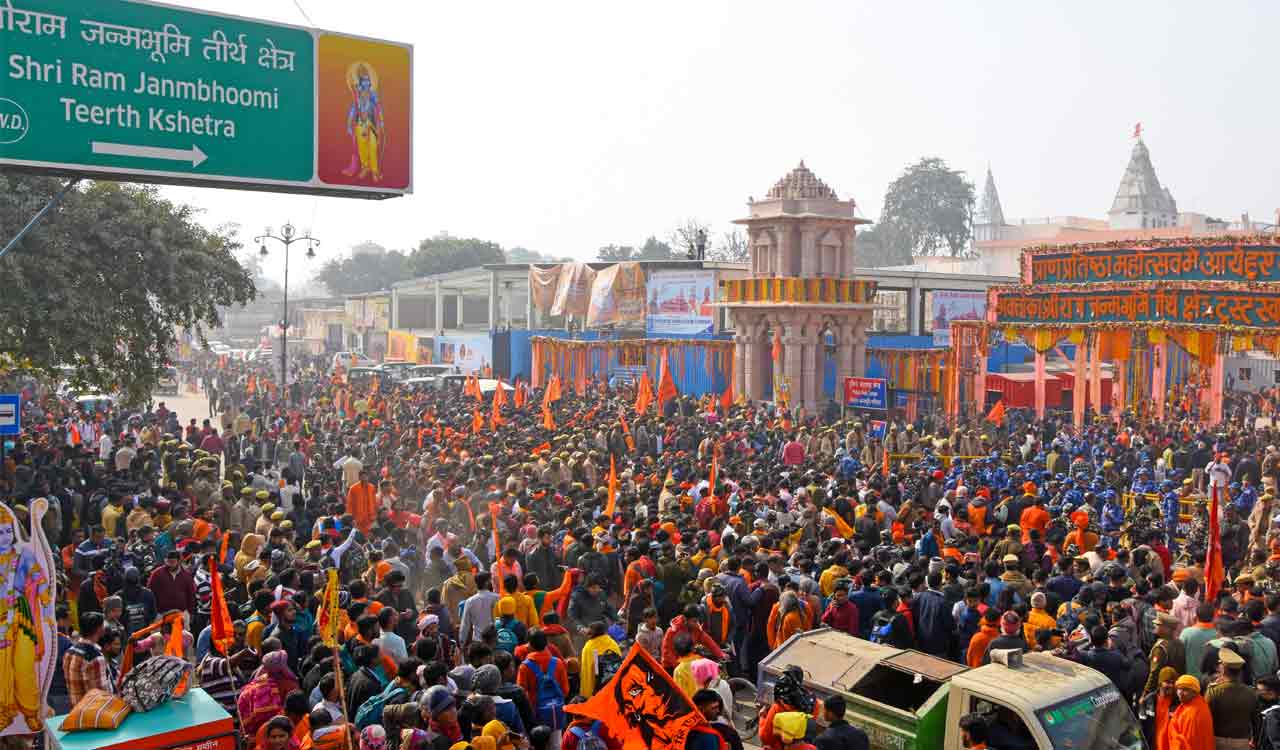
(666, 386)
(644, 394)
(613, 488)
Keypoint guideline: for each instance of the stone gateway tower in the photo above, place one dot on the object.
(802, 295)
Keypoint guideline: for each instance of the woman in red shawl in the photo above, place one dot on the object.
(263, 697)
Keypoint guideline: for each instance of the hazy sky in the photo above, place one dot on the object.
(563, 126)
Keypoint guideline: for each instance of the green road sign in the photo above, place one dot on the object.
(154, 93)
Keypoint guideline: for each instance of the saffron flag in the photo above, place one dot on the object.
(644, 394)
(499, 400)
(1213, 556)
(327, 616)
(547, 421)
(224, 636)
(626, 432)
(996, 414)
(884, 470)
(494, 512)
(613, 488)
(726, 398)
(541, 448)
(642, 706)
(477, 422)
(715, 469)
(777, 346)
(666, 386)
(842, 526)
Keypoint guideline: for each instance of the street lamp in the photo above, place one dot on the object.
(287, 237)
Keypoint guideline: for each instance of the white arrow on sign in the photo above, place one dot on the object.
(193, 154)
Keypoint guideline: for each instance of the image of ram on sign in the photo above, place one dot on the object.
(866, 393)
(156, 93)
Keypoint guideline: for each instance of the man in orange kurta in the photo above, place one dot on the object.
(362, 502)
(1191, 727)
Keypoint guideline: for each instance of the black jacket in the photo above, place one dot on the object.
(543, 563)
(842, 735)
(363, 687)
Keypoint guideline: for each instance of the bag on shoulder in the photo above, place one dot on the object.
(589, 738)
(370, 712)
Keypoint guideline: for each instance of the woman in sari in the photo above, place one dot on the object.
(263, 697)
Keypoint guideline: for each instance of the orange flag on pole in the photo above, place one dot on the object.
(1213, 573)
(777, 345)
(884, 470)
(666, 386)
(477, 422)
(613, 488)
(626, 432)
(494, 510)
(541, 448)
(644, 394)
(715, 469)
(726, 398)
(996, 414)
(548, 422)
(224, 636)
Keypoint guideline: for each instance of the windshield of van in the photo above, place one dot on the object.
(1098, 719)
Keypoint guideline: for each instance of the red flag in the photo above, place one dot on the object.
(541, 448)
(726, 398)
(1213, 573)
(642, 706)
(1137, 130)
(613, 488)
(997, 413)
(666, 386)
(711, 405)
(224, 635)
(644, 394)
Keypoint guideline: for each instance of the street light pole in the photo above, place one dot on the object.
(288, 235)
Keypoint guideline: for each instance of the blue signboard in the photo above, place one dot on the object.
(866, 393)
(10, 413)
(878, 428)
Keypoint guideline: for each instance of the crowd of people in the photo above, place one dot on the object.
(497, 563)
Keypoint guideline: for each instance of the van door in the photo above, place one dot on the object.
(1010, 728)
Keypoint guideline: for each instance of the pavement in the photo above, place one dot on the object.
(188, 405)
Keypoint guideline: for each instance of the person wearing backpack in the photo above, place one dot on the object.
(397, 691)
(546, 681)
(601, 658)
(365, 683)
(511, 632)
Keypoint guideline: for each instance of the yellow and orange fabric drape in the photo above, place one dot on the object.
(912, 369)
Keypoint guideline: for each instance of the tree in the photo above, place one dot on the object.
(364, 272)
(686, 236)
(444, 253)
(731, 248)
(929, 210)
(616, 253)
(525, 255)
(103, 282)
(876, 247)
(655, 249)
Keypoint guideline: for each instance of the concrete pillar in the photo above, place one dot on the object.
(740, 365)
(752, 374)
(844, 355)
(809, 373)
(1079, 385)
(781, 250)
(494, 300)
(439, 308)
(1039, 384)
(808, 254)
(531, 313)
(1159, 360)
(915, 324)
(1095, 373)
(459, 299)
(860, 346)
(395, 308)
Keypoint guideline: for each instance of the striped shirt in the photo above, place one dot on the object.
(220, 681)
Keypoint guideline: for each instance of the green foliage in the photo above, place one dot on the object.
(655, 249)
(875, 247)
(365, 272)
(525, 255)
(444, 253)
(928, 210)
(617, 253)
(103, 282)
